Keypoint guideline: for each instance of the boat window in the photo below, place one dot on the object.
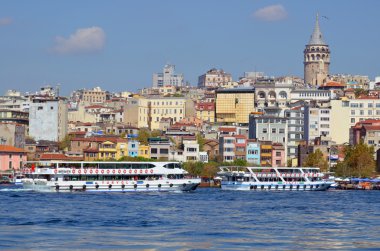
(276, 187)
(283, 187)
(262, 187)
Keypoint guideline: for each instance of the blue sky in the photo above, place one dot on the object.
(119, 44)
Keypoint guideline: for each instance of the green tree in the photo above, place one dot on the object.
(64, 144)
(360, 91)
(155, 133)
(358, 162)
(194, 168)
(210, 169)
(143, 136)
(316, 159)
(200, 141)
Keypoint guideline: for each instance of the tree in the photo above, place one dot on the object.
(358, 162)
(143, 136)
(65, 142)
(316, 159)
(200, 141)
(194, 168)
(155, 133)
(360, 91)
(210, 169)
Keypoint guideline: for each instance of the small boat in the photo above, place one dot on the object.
(18, 179)
(273, 178)
(108, 176)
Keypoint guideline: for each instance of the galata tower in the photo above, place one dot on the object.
(316, 58)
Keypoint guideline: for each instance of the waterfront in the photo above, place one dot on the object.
(207, 219)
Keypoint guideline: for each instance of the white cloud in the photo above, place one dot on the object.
(85, 40)
(5, 21)
(271, 13)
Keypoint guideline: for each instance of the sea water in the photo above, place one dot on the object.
(206, 219)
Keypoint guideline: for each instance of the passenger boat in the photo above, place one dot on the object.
(18, 179)
(108, 176)
(273, 178)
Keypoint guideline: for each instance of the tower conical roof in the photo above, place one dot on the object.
(316, 38)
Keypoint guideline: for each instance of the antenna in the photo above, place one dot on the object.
(57, 92)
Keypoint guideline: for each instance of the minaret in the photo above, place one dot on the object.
(316, 58)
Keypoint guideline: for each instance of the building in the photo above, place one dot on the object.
(227, 148)
(211, 147)
(14, 116)
(266, 153)
(214, 79)
(11, 158)
(278, 155)
(144, 151)
(240, 147)
(167, 77)
(96, 95)
(133, 148)
(316, 58)
(253, 152)
(205, 111)
(190, 150)
(159, 148)
(48, 119)
(269, 128)
(367, 131)
(296, 120)
(12, 134)
(234, 105)
(317, 121)
(345, 113)
(151, 110)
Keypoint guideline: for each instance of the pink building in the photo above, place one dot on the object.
(11, 158)
(278, 155)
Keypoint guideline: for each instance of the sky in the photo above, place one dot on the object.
(118, 45)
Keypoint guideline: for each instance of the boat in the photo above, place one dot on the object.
(108, 176)
(273, 178)
(17, 180)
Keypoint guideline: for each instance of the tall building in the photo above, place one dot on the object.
(316, 58)
(48, 119)
(234, 105)
(214, 78)
(167, 77)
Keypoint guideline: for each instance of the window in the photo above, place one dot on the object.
(274, 130)
(265, 130)
(371, 142)
(164, 151)
(153, 150)
(282, 130)
(369, 112)
(361, 112)
(352, 112)
(370, 105)
(278, 154)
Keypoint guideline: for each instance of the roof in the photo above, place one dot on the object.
(333, 84)
(317, 38)
(59, 156)
(11, 149)
(227, 129)
(237, 90)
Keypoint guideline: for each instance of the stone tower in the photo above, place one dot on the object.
(316, 58)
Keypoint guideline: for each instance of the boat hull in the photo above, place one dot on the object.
(111, 186)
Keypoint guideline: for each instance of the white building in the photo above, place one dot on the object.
(167, 77)
(48, 119)
(317, 122)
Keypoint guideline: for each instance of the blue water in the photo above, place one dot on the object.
(207, 219)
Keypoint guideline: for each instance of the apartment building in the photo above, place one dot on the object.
(214, 78)
(48, 119)
(167, 77)
(234, 105)
(205, 111)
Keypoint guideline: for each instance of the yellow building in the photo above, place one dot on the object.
(113, 150)
(235, 105)
(205, 111)
(144, 151)
(151, 110)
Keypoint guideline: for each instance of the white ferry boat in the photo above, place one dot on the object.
(273, 178)
(108, 176)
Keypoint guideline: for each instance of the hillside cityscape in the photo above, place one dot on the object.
(255, 120)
